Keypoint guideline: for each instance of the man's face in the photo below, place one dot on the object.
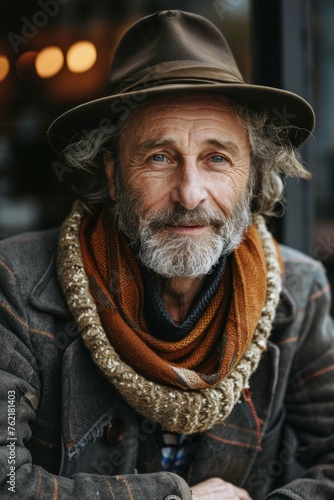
(184, 183)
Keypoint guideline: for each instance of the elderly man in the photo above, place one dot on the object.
(181, 352)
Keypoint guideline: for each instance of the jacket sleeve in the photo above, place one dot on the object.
(310, 399)
(20, 391)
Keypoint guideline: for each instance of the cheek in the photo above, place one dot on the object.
(239, 178)
(228, 191)
(152, 193)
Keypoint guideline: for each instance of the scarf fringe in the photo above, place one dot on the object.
(189, 411)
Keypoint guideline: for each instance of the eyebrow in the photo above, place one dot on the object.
(145, 146)
(229, 146)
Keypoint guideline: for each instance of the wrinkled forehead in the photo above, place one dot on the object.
(193, 117)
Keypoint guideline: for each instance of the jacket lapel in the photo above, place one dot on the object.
(89, 405)
(47, 295)
(228, 450)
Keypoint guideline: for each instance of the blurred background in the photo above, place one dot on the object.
(55, 54)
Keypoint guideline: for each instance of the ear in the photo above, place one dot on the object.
(109, 168)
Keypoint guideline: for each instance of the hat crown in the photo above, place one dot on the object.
(171, 44)
(173, 52)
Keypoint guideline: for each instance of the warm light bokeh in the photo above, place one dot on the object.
(4, 67)
(25, 65)
(81, 57)
(49, 62)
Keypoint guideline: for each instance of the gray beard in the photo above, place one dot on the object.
(177, 255)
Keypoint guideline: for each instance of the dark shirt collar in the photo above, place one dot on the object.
(158, 319)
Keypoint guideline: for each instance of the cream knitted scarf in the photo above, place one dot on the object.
(176, 410)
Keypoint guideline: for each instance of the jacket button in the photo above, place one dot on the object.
(172, 497)
(115, 431)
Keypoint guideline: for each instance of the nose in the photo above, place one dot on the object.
(189, 189)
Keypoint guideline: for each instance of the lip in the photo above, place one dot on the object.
(187, 229)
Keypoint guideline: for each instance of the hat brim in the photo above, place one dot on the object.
(285, 108)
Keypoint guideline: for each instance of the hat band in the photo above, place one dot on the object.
(176, 72)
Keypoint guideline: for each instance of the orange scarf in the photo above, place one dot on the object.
(219, 339)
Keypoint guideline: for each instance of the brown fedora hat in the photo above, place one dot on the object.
(177, 52)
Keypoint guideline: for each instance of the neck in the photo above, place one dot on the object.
(178, 295)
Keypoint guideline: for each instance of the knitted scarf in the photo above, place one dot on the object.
(217, 342)
(187, 385)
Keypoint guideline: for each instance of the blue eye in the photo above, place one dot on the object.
(218, 159)
(159, 158)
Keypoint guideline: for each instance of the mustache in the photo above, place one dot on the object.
(179, 216)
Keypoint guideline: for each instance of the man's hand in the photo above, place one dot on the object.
(217, 489)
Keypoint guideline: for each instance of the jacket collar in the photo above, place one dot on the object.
(47, 295)
(286, 311)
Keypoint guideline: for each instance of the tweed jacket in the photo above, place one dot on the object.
(65, 433)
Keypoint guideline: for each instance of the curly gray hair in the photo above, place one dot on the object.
(272, 159)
